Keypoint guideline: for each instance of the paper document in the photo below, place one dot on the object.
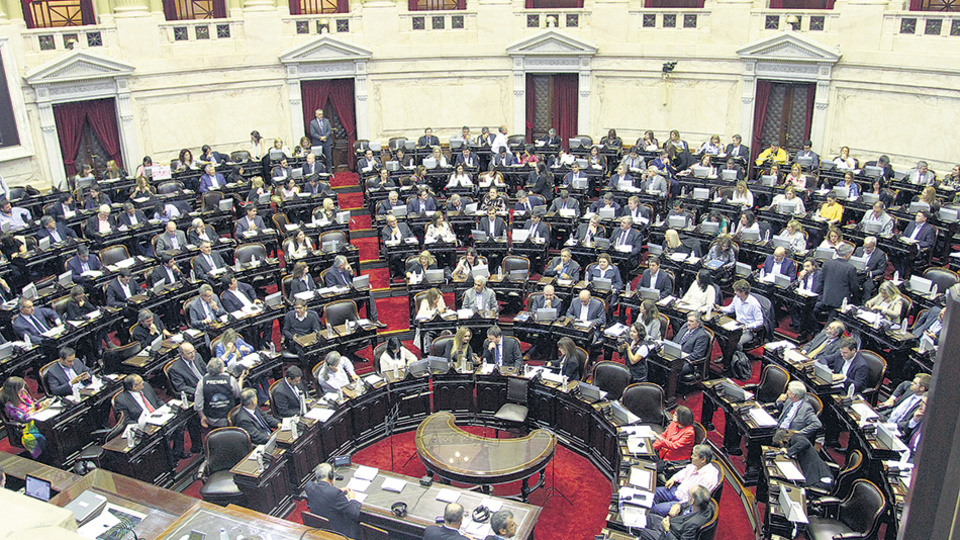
(636, 497)
(633, 516)
(360, 497)
(366, 473)
(319, 414)
(357, 484)
(864, 412)
(641, 477)
(393, 484)
(448, 496)
(46, 414)
(789, 470)
(762, 417)
(637, 445)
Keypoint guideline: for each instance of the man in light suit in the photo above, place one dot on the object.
(428, 139)
(693, 340)
(633, 161)
(654, 278)
(450, 530)
(289, 395)
(653, 180)
(172, 240)
(603, 269)
(564, 202)
(422, 204)
(502, 352)
(796, 412)
(66, 373)
(205, 309)
(563, 267)
(207, 261)
(34, 321)
(626, 239)
(340, 507)
(56, 232)
(848, 362)
(921, 175)
(826, 343)
(250, 222)
(258, 424)
(480, 298)
(929, 324)
(778, 263)
(586, 309)
(876, 265)
(738, 150)
(120, 290)
(211, 180)
(321, 134)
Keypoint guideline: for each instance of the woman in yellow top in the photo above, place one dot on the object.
(832, 211)
(888, 302)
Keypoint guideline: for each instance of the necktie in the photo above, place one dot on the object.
(84, 267)
(898, 413)
(170, 276)
(916, 230)
(256, 414)
(193, 368)
(146, 403)
(498, 356)
(788, 418)
(55, 236)
(209, 260)
(207, 310)
(820, 348)
(38, 324)
(623, 238)
(685, 337)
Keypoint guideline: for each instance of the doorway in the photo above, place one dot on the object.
(552, 102)
(88, 134)
(336, 98)
(784, 114)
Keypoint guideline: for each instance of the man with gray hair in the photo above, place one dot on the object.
(217, 393)
(797, 413)
(689, 519)
(480, 298)
(503, 525)
(670, 498)
(56, 232)
(838, 279)
(337, 372)
(340, 274)
(337, 505)
(258, 424)
(205, 309)
(450, 530)
(875, 266)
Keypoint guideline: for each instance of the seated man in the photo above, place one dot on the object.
(876, 265)
(526, 203)
(574, 174)
(250, 222)
(290, 396)
(826, 342)
(481, 299)
(492, 224)
(149, 327)
(501, 352)
(339, 506)
(774, 154)
(587, 310)
(563, 267)
(778, 263)
(386, 206)
(920, 231)
(565, 202)
(167, 273)
(450, 529)
(604, 270)
(138, 397)
(300, 321)
(620, 178)
(693, 340)
(17, 218)
(83, 262)
(606, 202)
(100, 224)
(336, 373)
(467, 158)
(395, 231)
(653, 181)
(32, 321)
(67, 373)
(808, 153)
(56, 232)
(929, 324)
(848, 363)
(205, 309)
(172, 240)
(905, 399)
(632, 161)
(700, 472)
(208, 262)
(879, 218)
(538, 229)
(590, 231)
(626, 239)
(796, 412)
(120, 290)
(747, 310)
(258, 424)
(211, 180)
(639, 214)
(686, 522)
(422, 204)
(654, 278)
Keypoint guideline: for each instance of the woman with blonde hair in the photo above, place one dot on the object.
(888, 302)
(459, 351)
(794, 232)
(741, 195)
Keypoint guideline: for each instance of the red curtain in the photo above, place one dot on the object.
(916, 5)
(553, 4)
(339, 93)
(220, 9)
(71, 117)
(170, 10)
(566, 96)
(801, 4)
(531, 106)
(759, 115)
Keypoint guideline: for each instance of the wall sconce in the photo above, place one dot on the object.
(794, 22)
(323, 26)
(551, 21)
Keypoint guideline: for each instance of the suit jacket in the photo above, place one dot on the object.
(76, 267)
(533, 200)
(243, 225)
(125, 403)
(818, 340)
(286, 401)
(143, 335)
(805, 421)
(201, 267)
(428, 140)
(165, 243)
(62, 230)
(612, 273)
(856, 375)
(59, 382)
(196, 314)
(320, 129)
(413, 207)
(328, 501)
(160, 274)
(115, 295)
(817, 283)
(876, 264)
(313, 168)
(743, 151)
(926, 237)
(838, 280)
(371, 164)
(581, 234)
(814, 469)
(571, 368)
(542, 232)
(558, 203)
(499, 226)
(23, 327)
(787, 267)
(903, 392)
(299, 285)
(436, 532)
(249, 423)
(229, 300)
(488, 298)
(595, 312)
(123, 218)
(182, 378)
(634, 239)
(335, 277)
(92, 227)
(664, 282)
(572, 269)
(510, 354)
(470, 161)
(695, 345)
(540, 302)
(596, 206)
(194, 237)
(206, 182)
(404, 229)
(925, 321)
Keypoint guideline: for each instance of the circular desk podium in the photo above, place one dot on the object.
(454, 454)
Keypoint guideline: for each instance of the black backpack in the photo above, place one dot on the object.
(741, 366)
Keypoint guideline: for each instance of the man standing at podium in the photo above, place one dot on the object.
(321, 134)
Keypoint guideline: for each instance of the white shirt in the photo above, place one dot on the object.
(499, 141)
(584, 312)
(242, 298)
(343, 376)
(141, 401)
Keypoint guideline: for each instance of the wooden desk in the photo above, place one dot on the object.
(239, 523)
(267, 491)
(16, 467)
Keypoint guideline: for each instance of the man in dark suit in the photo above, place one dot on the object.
(549, 299)
(905, 399)
(588, 310)
(289, 395)
(838, 280)
(369, 164)
(34, 321)
(300, 321)
(207, 261)
(63, 206)
(693, 340)
(467, 158)
(920, 231)
(848, 362)
(167, 273)
(808, 152)
(185, 372)
(929, 324)
(56, 232)
(66, 372)
(502, 352)
(605, 202)
(211, 180)
(139, 397)
(538, 229)
(428, 139)
(205, 309)
(131, 217)
(604, 270)
(797, 447)
(826, 343)
(172, 240)
(238, 295)
(796, 413)
(450, 530)
(395, 231)
(635, 210)
(492, 224)
(565, 202)
(626, 239)
(321, 134)
(312, 167)
(422, 204)
(281, 172)
(574, 174)
(654, 278)
(876, 265)
(738, 150)
(250, 222)
(551, 140)
(258, 424)
(100, 224)
(688, 521)
(808, 279)
(149, 327)
(778, 263)
(340, 507)
(563, 267)
(120, 290)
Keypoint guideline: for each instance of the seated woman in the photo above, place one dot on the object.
(424, 262)
(789, 196)
(612, 141)
(889, 303)
(775, 172)
(797, 447)
(796, 178)
(715, 216)
(702, 294)
(439, 230)
(529, 156)
(419, 176)
(649, 317)
(231, 347)
(672, 244)
(326, 213)
(278, 145)
(395, 357)
(570, 361)
(113, 171)
(459, 178)
(302, 149)
(844, 162)
(297, 245)
(431, 305)
(649, 143)
(721, 252)
(747, 223)
(794, 232)
(403, 159)
(833, 239)
(676, 442)
(493, 200)
(256, 189)
(185, 161)
(831, 211)
(289, 190)
(741, 195)
(711, 147)
(491, 178)
(383, 181)
(78, 306)
(595, 160)
(679, 145)
(635, 352)
(19, 406)
(441, 159)
(929, 196)
(853, 188)
(459, 351)
(142, 188)
(877, 188)
(706, 161)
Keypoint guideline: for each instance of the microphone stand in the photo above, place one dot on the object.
(553, 490)
(390, 424)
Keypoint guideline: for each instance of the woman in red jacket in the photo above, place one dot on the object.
(676, 442)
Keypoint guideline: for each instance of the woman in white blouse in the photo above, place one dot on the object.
(790, 195)
(794, 233)
(441, 159)
(256, 146)
(844, 161)
(796, 178)
(297, 246)
(702, 294)
(711, 147)
(395, 357)
(431, 305)
(278, 145)
(459, 178)
(290, 189)
(439, 230)
(741, 195)
(491, 178)
(833, 239)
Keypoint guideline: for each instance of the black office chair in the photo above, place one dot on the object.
(645, 399)
(514, 412)
(877, 369)
(211, 201)
(773, 383)
(852, 470)
(612, 378)
(169, 187)
(114, 358)
(246, 253)
(856, 517)
(709, 529)
(439, 344)
(224, 449)
(340, 311)
(113, 254)
(239, 156)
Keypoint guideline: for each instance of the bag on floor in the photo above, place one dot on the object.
(741, 366)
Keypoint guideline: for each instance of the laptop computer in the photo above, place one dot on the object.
(44, 243)
(730, 175)
(768, 180)
(580, 183)
(38, 488)
(438, 364)
(601, 243)
(433, 275)
(750, 235)
(733, 392)
(419, 368)
(743, 269)
(869, 198)
(671, 350)
(86, 506)
(872, 227)
(545, 315)
(226, 205)
(701, 193)
(361, 282)
(804, 161)
(392, 166)
(589, 392)
(479, 235)
(710, 227)
(264, 198)
(607, 212)
(65, 279)
(700, 172)
(860, 263)
(156, 343)
(6, 350)
(786, 207)
(781, 280)
(655, 249)
(602, 284)
(872, 171)
(158, 287)
(480, 270)
(921, 285)
(841, 192)
(677, 222)
(822, 372)
(917, 206)
(781, 241)
(273, 300)
(824, 253)
(649, 293)
(622, 415)
(470, 208)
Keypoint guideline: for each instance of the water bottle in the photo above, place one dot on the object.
(329, 329)
(396, 372)
(260, 467)
(843, 305)
(896, 275)
(272, 347)
(223, 534)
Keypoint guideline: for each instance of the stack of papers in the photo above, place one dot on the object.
(790, 471)
(762, 417)
(357, 484)
(366, 473)
(393, 484)
(448, 496)
(319, 414)
(640, 477)
(633, 516)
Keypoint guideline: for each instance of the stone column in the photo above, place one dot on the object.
(51, 140)
(361, 104)
(583, 90)
(747, 99)
(259, 5)
(519, 98)
(130, 8)
(128, 134)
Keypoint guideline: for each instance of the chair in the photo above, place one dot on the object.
(211, 201)
(169, 187)
(340, 311)
(330, 236)
(878, 368)
(247, 252)
(114, 358)
(852, 470)
(94, 452)
(709, 529)
(439, 344)
(280, 221)
(773, 383)
(665, 328)
(612, 378)
(43, 376)
(854, 518)
(586, 140)
(315, 521)
(645, 399)
(13, 429)
(515, 410)
(517, 142)
(943, 278)
(113, 254)
(224, 448)
(513, 262)
(239, 156)
(273, 386)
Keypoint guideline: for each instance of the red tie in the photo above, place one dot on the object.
(146, 402)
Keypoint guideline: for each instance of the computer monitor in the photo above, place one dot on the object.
(38, 488)
(589, 391)
(872, 171)
(860, 263)
(580, 183)
(869, 198)
(44, 243)
(701, 193)
(330, 246)
(602, 284)
(433, 275)
(729, 175)
(733, 392)
(65, 279)
(649, 293)
(701, 172)
(392, 166)
(671, 350)
(545, 315)
(601, 243)
(872, 227)
(921, 285)
(750, 235)
(804, 161)
(479, 235)
(781, 280)
(781, 241)
(430, 163)
(607, 212)
(273, 300)
(343, 217)
(841, 192)
(822, 372)
(743, 269)
(824, 253)
(710, 227)
(948, 215)
(361, 282)
(296, 173)
(226, 205)
(276, 155)
(917, 206)
(582, 163)
(768, 180)
(655, 249)
(677, 222)
(787, 207)
(575, 142)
